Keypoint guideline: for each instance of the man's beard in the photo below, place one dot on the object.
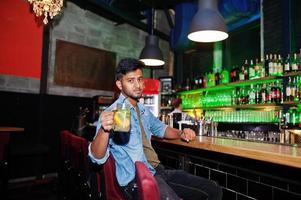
(132, 96)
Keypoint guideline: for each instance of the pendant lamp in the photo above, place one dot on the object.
(151, 54)
(207, 25)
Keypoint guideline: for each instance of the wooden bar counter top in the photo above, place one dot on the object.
(11, 129)
(274, 153)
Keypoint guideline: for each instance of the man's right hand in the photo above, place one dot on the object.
(107, 120)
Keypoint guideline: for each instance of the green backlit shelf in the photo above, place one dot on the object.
(256, 81)
(233, 85)
(292, 74)
(291, 102)
(266, 106)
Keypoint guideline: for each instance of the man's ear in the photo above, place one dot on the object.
(118, 84)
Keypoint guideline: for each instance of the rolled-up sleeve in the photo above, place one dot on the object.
(92, 157)
(157, 127)
(95, 160)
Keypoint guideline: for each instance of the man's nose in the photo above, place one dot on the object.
(138, 83)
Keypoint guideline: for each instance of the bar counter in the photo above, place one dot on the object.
(274, 153)
(244, 169)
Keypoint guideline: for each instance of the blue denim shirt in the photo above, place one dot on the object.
(126, 155)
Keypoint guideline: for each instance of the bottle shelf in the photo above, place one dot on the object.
(273, 106)
(255, 81)
(233, 85)
(291, 102)
(292, 74)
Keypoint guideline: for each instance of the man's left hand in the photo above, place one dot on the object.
(188, 134)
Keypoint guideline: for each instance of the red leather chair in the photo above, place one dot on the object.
(74, 171)
(112, 190)
(147, 184)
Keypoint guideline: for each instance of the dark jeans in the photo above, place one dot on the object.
(178, 184)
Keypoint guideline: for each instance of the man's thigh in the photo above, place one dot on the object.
(189, 186)
(166, 192)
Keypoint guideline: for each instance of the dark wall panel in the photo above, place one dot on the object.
(37, 148)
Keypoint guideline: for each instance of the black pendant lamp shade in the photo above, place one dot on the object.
(207, 25)
(151, 54)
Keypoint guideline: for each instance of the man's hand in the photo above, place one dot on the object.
(187, 134)
(107, 120)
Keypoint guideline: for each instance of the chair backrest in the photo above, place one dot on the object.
(77, 152)
(65, 140)
(74, 174)
(112, 189)
(147, 184)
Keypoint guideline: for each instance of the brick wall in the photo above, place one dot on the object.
(86, 28)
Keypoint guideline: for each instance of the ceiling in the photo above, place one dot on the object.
(236, 13)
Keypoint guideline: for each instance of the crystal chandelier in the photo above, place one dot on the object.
(46, 7)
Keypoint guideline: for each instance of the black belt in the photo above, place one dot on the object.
(130, 191)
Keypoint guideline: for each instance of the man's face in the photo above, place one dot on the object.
(132, 84)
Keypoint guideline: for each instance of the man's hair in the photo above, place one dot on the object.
(127, 65)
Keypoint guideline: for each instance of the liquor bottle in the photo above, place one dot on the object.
(196, 83)
(233, 97)
(252, 95)
(251, 70)
(211, 79)
(299, 60)
(293, 89)
(244, 96)
(269, 92)
(287, 64)
(201, 82)
(258, 69)
(279, 64)
(293, 116)
(234, 74)
(257, 95)
(262, 72)
(297, 88)
(242, 74)
(217, 78)
(237, 96)
(273, 93)
(205, 80)
(288, 93)
(246, 71)
(271, 65)
(278, 92)
(225, 76)
(275, 65)
(266, 65)
(295, 63)
(264, 94)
